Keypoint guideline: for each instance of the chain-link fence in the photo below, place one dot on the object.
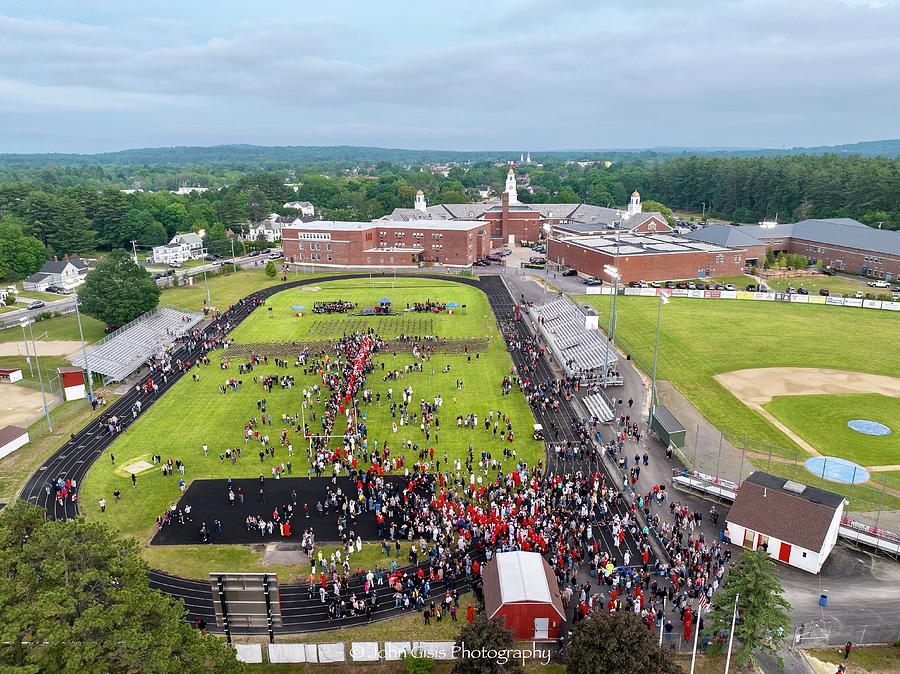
(874, 502)
(821, 634)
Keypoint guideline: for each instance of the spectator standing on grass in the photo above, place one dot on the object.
(847, 648)
(103, 505)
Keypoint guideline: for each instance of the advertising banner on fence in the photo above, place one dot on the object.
(802, 299)
(891, 306)
(764, 296)
(680, 292)
(712, 294)
(729, 295)
(871, 304)
(852, 302)
(836, 301)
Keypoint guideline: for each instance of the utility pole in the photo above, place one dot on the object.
(134, 251)
(233, 261)
(87, 365)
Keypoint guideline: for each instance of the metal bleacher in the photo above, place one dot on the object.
(599, 407)
(119, 354)
(578, 348)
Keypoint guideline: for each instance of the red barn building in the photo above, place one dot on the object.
(522, 588)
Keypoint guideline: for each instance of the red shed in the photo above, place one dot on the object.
(521, 587)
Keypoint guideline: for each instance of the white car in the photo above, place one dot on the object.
(860, 294)
(729, 286)
(879, 284)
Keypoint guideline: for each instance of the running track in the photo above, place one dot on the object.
(300, 612)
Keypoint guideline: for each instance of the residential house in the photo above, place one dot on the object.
(67, 274)
(306, 209)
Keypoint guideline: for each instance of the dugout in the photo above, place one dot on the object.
(667, 427)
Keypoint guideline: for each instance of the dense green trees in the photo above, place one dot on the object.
(764, 614)
(20, 255)
(75, 597)
(617, 642)
(477, 640)
(117, 291)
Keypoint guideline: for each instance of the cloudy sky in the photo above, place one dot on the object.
(98, 75)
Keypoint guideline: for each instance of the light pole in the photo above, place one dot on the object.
(87, 365)
(40, 376)
(611, 323)
(27, 354)
(206, 282)
(663, 299)
(233, 261)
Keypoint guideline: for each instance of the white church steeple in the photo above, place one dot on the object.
(511, 186)
(634, 205)
(528, 158)
(420, 204)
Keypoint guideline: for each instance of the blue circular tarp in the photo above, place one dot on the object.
(869, 427)
(837, 470)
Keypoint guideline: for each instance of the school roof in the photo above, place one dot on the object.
(520, 577)
(629, 244)
(338, 226)
(789, 511)
(725, 235)
(845, 232)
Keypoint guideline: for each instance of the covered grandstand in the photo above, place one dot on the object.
(583, 350)
(122, 352)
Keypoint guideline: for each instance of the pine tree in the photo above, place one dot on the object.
(763, 612)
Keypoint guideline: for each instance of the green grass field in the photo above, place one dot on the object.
(193, 413)
(700, 339)
(837, 285)
(58, 328)
(224, 289)
(821, 420)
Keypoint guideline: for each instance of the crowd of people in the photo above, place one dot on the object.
(598, 533)
(333, 307)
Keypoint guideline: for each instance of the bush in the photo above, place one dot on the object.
(416, 664)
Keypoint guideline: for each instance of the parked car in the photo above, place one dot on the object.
(175, 265)
(37, 304)
(860, 294)
(751, 288)
(570, 272)
(593, 282)
(691, 286)
(879, 284)
(643, 284)
(537, 259)
(790, 290)
(802, 291)
(670, 285)
(828, 271)
(634, 284)
(480, 263)
(493, 257)
(210, 258)
(729, 286)
(824, 292)
(720, 286)
(655, 284)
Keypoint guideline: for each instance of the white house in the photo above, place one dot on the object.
(795, 523)
(67, 274)
(182, 247)
(171, 252)
(306, 209)
(194, 242)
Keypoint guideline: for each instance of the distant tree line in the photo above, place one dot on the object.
(78, 209)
